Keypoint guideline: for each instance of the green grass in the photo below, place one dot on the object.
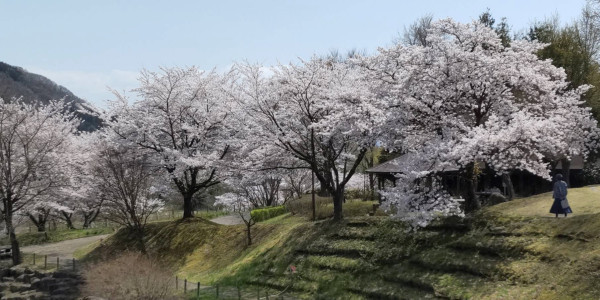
(583, 201)
(37, 238)
(324, 207)
(514, 250)
(211, 214)
(172, 215)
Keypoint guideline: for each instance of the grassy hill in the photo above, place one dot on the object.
(515, 250)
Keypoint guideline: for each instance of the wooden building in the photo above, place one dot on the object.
(524, 183)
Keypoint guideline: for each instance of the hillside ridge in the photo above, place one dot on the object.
(16, 82)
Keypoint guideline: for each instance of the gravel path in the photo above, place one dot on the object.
(228, 220)
(63, 249)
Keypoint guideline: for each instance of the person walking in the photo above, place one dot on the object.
(561, 204)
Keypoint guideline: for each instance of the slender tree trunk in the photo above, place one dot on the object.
(371, 186)
(188, 211)
(472, 200)
(566, 171)
(338, 200)
(248, 233)
(510, 189)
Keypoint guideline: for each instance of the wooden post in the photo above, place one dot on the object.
(57, 263)
(198, 291)
(45, 262)
(176, 283)
(185, 286)
(34, 259)
(312, 146)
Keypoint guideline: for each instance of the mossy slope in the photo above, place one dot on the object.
(508, 251)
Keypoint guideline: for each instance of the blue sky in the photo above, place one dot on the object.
(88, 46)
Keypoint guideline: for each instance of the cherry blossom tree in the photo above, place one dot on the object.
(319, 114)
(130, 189)
(183, 121)
(82, 196)
(296, 182)
(466, 100)
(33, 160)
(40, 211)
(241, 205)
(261, 188)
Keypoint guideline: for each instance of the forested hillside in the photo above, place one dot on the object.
(17, 82)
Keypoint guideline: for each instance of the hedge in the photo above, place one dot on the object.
(261, 214)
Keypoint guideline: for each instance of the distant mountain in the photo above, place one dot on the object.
(17, 82)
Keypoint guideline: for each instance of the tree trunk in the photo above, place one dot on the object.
(338, 200)
(68, 217)
(89, 218)
(40, 222)
(472, 200)
(510, 189)
(14, 243)
(371, 186)
(566, 171)
(248, 233)
(86, 221)
(188, 211)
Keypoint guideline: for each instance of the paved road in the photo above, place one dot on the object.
(228, 220)
(63, 249)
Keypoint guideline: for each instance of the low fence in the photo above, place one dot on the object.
(184, 287)
(51, 262)
(194, 290)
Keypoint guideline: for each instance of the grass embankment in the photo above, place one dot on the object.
(63, 234)
(199, 249)
(37, 238)
(514, 250)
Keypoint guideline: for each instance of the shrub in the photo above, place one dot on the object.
(303, 206)
(355, 194)
(129, 276)
(266, 213)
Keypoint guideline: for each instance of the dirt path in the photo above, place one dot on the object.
(63, 249)
(228, 220)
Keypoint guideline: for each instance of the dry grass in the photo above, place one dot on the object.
(129, 276)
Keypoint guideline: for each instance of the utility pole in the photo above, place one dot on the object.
(314, 162)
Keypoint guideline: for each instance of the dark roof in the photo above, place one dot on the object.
(402, 163)
(576, 163)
